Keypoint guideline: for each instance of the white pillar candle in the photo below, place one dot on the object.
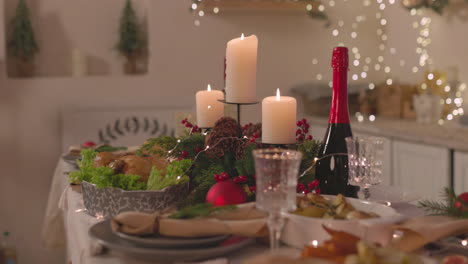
(209, 109)
(241, 69)
(279, 119)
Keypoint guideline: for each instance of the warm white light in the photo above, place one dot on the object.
(441, 122)
(216, 10)
(439, 82)
(371, 86)
(464, 242)
(449, 117)
(321, 8)
(363, 75)
(380, 58)
(196, 22)
(389, 81)
(382, 6)
(194, 6)
(383, 22)
(335, 32)
(372, 118)
(309, 7)
(319, 76)
(201, 13)
(430, 76)
(377, 67)
(331, 3)
(242, 36)
(387, 69)
(424, 86)
(415, 69)
(208, 88)
(278, 95)
(314, 243)
(353, 34)
(356, 63)
(448, 101)
(355, 77)
(314, 61)
(330, 84)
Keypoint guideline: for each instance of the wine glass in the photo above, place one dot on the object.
(365, 158)
(276, 178)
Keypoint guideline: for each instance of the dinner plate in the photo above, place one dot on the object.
(171, 242)
(103, 233)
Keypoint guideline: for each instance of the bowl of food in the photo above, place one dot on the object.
(364, 219)
(112, 183)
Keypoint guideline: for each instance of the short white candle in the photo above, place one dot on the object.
(279, 119)
(241, 69)
(209, 109)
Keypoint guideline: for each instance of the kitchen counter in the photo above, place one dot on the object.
(451, 135)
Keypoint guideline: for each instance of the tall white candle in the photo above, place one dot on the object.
(241, 69)
(209, 109)
(279, 119)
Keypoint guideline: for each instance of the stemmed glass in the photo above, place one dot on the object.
(276, 178)
(365, 158)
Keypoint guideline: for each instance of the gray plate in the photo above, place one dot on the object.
(103, 233)
(171, 242)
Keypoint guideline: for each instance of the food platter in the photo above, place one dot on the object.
(301, 230)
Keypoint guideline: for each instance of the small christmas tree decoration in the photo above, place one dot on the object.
(131, 41)
(22, 43)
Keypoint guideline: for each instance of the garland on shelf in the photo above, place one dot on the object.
(314, 8)
(452, 205)
(437, 6)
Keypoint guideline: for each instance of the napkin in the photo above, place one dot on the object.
(422, 230)
(243, 221)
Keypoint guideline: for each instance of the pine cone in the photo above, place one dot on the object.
(253, 129)
(223, 137)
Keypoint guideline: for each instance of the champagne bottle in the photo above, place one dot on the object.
(332, 166)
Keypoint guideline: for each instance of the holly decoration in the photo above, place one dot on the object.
(453, 205)
(302, 132)
(192, 128)
(311, 187)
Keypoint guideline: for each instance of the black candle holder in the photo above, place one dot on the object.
(292, 146)
(238, 113)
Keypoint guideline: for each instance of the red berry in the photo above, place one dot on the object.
(300, 187)
(300, 137)
(306, 126)
(184, 121)
(242, 178)
(462, 200)
(188, 125)
(184, 153)
(304, 121)
(309, 137)
(236, 180)
(255, 135)
(317, 191)
(298, 132)
(253, 188)
(88, 144)
(312, 185)
(299, 123)
(306, 191)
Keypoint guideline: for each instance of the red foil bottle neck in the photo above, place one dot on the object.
(339, 113)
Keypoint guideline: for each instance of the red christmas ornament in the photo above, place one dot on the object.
(226, 193)
(88, 144)
(455, 259)
(459, 205)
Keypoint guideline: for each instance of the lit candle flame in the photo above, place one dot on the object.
(208, 88)
(278, 95)
(242, 36)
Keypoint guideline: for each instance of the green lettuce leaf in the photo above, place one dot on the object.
(176, 173)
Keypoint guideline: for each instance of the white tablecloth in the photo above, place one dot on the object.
(67, 223)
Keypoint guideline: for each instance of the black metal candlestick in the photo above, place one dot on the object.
(238, 113)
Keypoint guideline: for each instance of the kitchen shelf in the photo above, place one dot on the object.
(256, 5)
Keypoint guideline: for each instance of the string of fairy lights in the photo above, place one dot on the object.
(366, 62)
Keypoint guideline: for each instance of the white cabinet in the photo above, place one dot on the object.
(460, 172)
(421, 168)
